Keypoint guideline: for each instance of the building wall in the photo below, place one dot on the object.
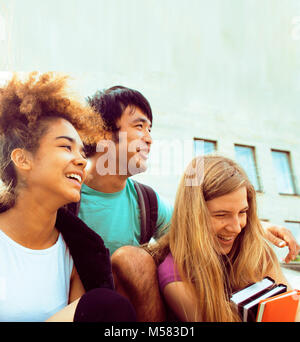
(222, 70)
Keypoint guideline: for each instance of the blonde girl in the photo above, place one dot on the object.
(215, 244)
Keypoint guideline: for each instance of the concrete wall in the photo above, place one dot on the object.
(221, 70)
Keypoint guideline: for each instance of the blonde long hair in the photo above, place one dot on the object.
(210, 276)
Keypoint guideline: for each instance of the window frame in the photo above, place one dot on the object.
(292, 177)
(253, 150)
(214, 142)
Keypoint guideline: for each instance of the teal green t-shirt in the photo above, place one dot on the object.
(116, 216)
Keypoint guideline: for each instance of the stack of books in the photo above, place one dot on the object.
(266, 301)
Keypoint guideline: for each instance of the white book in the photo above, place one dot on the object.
(251, 290)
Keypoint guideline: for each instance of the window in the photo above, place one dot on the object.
(245, 156)
(282, 165)
(202, 146)
(294, 227)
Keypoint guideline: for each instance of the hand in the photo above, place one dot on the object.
(281, 237)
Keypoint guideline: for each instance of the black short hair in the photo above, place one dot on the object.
(112, 102)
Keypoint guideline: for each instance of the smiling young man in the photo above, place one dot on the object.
(110, 201)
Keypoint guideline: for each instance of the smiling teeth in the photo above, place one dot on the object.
(225, 238)
(74, 175)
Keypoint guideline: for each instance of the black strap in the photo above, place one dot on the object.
(148, 210)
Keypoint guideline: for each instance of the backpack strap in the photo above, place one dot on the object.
(148, 210)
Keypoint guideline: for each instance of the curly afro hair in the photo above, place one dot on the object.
(25, 104)
(26, 108)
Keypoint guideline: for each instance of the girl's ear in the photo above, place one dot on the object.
(21, 159)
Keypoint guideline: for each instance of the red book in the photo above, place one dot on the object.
(280, 308)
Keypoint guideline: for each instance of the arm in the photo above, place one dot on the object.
(76, 291)
(76, 287)
(181, 301)
(281, 237)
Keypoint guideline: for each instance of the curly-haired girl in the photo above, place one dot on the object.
(48, 257)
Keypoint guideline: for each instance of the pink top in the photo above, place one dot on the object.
(167, 272)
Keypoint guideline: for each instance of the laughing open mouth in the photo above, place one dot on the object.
(226, 238)
(74, 176)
